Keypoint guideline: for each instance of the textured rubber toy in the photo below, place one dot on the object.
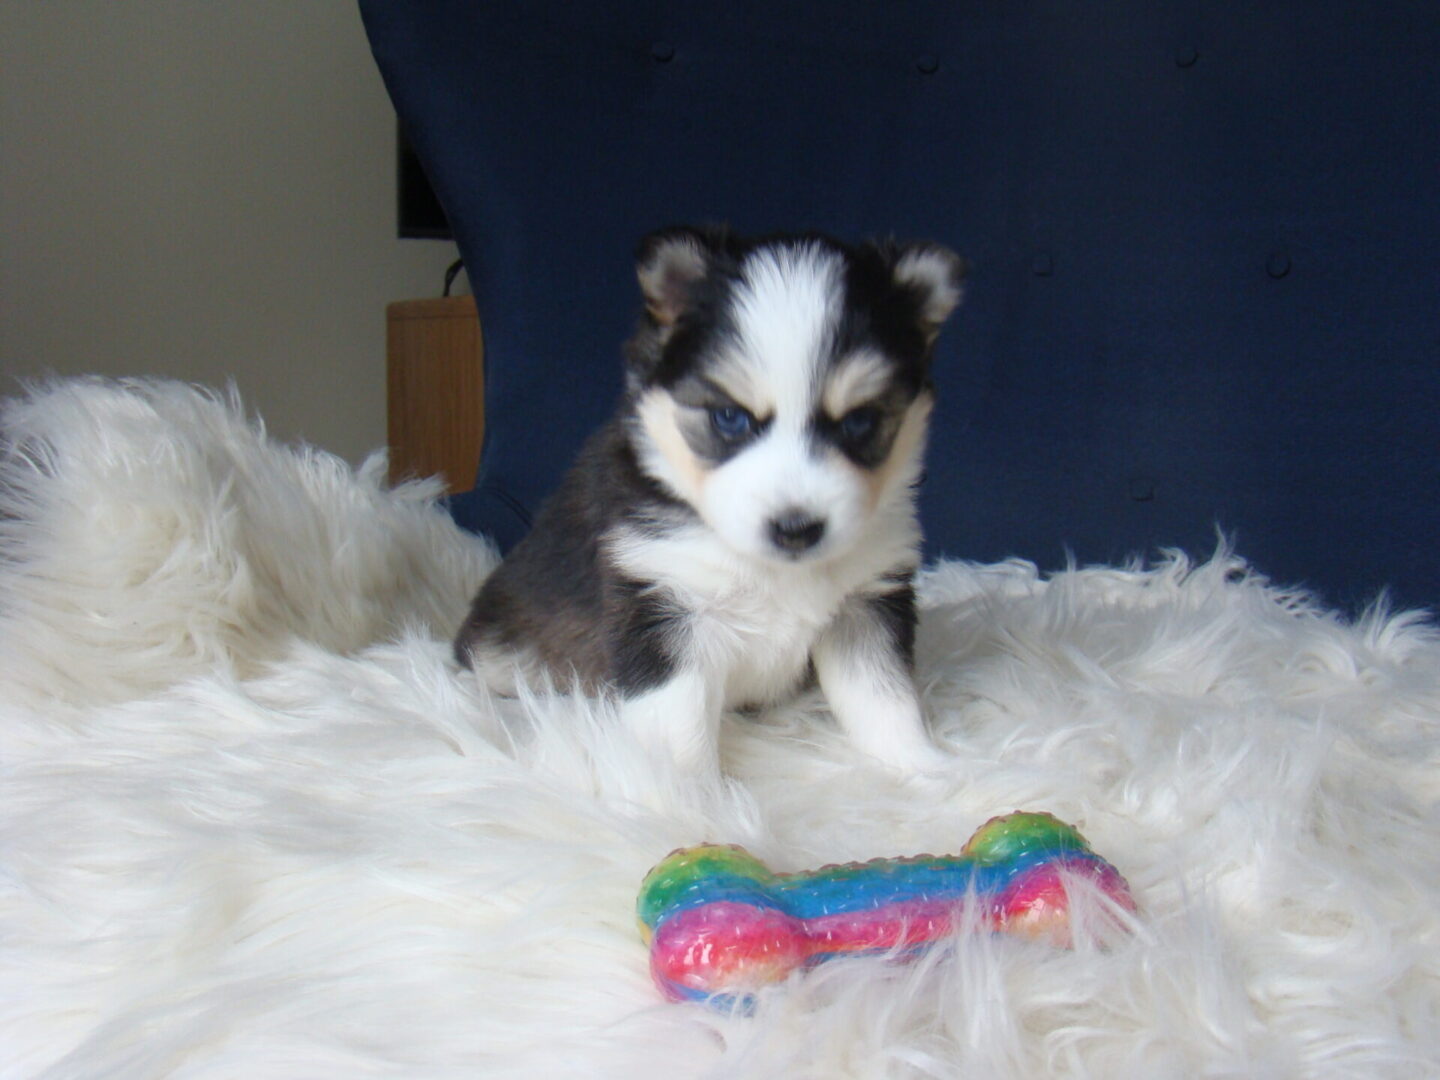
(720, 924)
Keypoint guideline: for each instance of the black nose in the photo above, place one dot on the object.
(796, 532)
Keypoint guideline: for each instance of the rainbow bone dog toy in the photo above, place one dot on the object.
(721, 925)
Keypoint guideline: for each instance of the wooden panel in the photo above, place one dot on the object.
(435, 393)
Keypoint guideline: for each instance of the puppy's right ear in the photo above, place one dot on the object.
(670, 264)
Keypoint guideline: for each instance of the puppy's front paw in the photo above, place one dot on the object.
(911, 758)
(891, 729)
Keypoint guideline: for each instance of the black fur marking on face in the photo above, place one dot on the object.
(700, 400)
(867, 445)
(857, 425)
(900, 317)
(881, 315)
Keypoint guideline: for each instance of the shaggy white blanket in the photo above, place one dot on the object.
(253, 823)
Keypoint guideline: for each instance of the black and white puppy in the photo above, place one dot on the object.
(746, 521)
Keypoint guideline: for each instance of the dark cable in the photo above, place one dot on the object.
(455, 268)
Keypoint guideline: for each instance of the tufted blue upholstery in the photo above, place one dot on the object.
(1205, 242)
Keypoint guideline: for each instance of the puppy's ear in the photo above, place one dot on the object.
(670, 263)
(935, 276)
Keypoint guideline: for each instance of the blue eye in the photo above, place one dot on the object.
(731, 422)
(859, 424)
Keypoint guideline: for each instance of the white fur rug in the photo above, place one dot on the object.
(253, 823)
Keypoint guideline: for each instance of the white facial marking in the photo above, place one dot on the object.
(787, 306)
(743, 381)
(859, 378)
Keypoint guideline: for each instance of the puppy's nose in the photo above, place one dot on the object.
(796, 532)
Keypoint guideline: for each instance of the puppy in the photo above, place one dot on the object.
(746, 522)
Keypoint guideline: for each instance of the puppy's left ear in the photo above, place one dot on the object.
(935, 275)
(669, 265)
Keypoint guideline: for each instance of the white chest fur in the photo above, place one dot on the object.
(756, 637)
(750, 625)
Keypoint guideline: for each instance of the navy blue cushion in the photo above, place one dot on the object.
(1205, 244)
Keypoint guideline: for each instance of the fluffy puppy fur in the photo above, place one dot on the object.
(745, 523)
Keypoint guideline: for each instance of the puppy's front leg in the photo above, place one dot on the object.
(681, 719)
(863, 662)
(665, 699)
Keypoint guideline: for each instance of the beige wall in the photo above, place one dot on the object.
(204, 189)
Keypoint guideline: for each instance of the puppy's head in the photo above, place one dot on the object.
(781, 387)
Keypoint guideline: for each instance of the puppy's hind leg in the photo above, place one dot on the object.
(501, 668)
